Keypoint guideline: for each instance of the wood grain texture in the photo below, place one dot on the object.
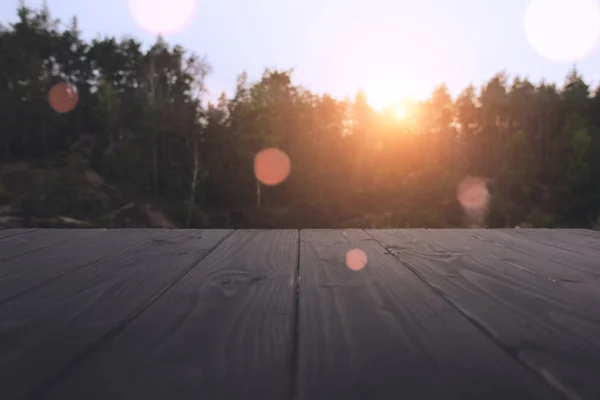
(29, 242)
(548, 324)
(589, 233)
(21, 274)
(572, 268)
(44, 333)
(223, 332)
(381, 333)
(579, 242)
(585, 237)
(12, 232)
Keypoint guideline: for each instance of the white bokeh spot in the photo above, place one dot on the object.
(162, 16)
(563, 30)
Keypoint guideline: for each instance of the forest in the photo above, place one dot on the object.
(102, 133)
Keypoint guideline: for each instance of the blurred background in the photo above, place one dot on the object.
(317, 114)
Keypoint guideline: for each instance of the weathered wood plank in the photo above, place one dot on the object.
(223, 332)
(381, 333)
(568, 266)
(18, 245)
(595, 234)
(549, 327)
(46, 331)
(585, 237)
(21, 274)
(572, 241)
(12, 232)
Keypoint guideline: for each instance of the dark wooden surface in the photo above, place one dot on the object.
(277, 314)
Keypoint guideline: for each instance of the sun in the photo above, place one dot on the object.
(563, 30)
(376, 101)
(388, 104)
(399, 112)
(393, 100)
(394, 109)
(384, 99)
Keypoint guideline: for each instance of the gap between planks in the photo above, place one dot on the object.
(544, 378)
(295, 360)
(222, 330)
(93, 347)
(51, 279)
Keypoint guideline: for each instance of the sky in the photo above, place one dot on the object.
(389, 48)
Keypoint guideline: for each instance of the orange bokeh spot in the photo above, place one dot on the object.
(63, 97)
(271, 166)
(356, 259)
(473, 195)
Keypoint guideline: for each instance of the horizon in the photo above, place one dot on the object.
(322, 60)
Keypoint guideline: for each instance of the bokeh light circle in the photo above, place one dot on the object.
(473, 194)
(272, 166)
(563, 30)
(356, 259)
(63, 97)
(162, 16)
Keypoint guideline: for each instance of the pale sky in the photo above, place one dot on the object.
(391, 48)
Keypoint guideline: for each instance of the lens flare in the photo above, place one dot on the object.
(271, 166)
(63, 97)
(473, 195)
(356, 259)
(563, 30)
(400, 113)
(162, 16)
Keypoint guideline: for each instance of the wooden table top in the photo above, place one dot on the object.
(299, 314)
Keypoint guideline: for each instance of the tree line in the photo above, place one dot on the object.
(141, 123)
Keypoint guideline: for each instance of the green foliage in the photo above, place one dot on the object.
(597, 224)
(539, 219)
(140, 124)
(5, 195)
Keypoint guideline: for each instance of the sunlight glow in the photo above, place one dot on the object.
(271, 166)
(383, 95)
(356, 259)
(63, 97)
(563, 30)
(399, 112)
(162, 16)
(382, 100)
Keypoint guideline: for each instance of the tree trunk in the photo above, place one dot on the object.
(193, 184)
(155, 167)
(257, 194)
(44, 143)
(152, 100)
